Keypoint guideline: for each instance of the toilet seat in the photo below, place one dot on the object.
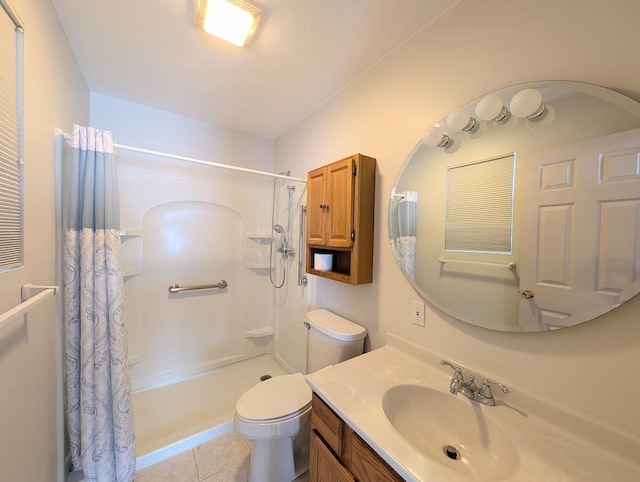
(272, 421)
(276, 399)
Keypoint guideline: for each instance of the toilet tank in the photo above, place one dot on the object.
(332, 339)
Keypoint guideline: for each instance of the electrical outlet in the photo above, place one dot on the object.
(417, 313)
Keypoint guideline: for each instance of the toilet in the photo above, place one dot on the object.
(275, 414)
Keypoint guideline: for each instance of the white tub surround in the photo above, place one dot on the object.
(172, 418)
(550, 442)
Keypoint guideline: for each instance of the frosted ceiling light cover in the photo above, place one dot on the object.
(434, 137)
(491, 108)
(232, 20)
(460, 120)
(527, 103)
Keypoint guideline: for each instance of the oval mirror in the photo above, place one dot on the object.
(520, 211)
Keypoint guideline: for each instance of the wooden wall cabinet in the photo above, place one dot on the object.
(338, 454)
(340, 212)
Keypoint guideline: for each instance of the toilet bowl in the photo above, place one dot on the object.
(275, 414)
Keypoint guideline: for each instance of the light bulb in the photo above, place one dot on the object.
(434, 137)
(527, 103)
(460, 120)
(491, 108)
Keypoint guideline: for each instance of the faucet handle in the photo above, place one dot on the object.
(471, 384)
(457, 369)
(485, 389)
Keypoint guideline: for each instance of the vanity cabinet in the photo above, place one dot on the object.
(340, 212)
(338, 454)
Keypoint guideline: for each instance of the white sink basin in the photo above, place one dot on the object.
(397, 399)
(451, 431)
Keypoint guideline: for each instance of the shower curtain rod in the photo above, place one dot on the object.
(67, 137)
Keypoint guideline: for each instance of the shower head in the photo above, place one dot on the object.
(278, 229)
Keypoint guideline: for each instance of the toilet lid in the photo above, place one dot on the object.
(276, 397)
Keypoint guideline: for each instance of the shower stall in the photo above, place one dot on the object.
(203, 252)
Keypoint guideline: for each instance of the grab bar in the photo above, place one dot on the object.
(509, 266)
(28, 301)
(218, 286)
(302, 279)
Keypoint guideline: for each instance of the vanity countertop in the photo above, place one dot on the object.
(551, 443)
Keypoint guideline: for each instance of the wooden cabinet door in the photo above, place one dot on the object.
(316, 187)
(323, 465)
(339, 188)
(368, 465)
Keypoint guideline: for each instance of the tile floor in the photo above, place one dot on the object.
(224, 459)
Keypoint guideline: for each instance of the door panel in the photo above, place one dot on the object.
(340, 181)
(315, 212)
(323, 465)
(580, 229)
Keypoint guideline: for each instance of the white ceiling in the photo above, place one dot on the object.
(304, 51)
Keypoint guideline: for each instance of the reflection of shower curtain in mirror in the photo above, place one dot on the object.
(404, 244)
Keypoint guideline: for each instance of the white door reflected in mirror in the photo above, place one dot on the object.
(580, 223)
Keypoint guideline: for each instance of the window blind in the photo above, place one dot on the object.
(480, 206)
(11, 141)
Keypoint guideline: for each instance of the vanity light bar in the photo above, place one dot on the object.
(527, 103)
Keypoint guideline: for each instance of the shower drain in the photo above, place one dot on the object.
(451, 452)
(265, 377)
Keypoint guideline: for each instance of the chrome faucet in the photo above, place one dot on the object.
(483, 395)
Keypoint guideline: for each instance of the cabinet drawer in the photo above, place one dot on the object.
(327, 424)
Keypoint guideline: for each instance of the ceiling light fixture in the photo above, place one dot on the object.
(232, 20)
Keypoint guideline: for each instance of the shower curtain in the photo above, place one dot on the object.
(404, 241)
(99, 417)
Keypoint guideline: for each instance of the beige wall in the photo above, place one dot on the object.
(477, 47)
(56, 95)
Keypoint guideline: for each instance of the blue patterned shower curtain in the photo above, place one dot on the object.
(403, 239)
(99, 417)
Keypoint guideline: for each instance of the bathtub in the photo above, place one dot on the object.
(172, 418)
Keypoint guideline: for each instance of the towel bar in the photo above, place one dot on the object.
(28, 301)
(509, 266)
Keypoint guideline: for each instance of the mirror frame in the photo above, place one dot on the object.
(617, 100)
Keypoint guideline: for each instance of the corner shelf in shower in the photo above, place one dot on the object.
(259, 332)
(131, 252)
(131, 233)
(130, 273)
(258, 249)
(134, 359)
(257, 265)
(260, 238)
